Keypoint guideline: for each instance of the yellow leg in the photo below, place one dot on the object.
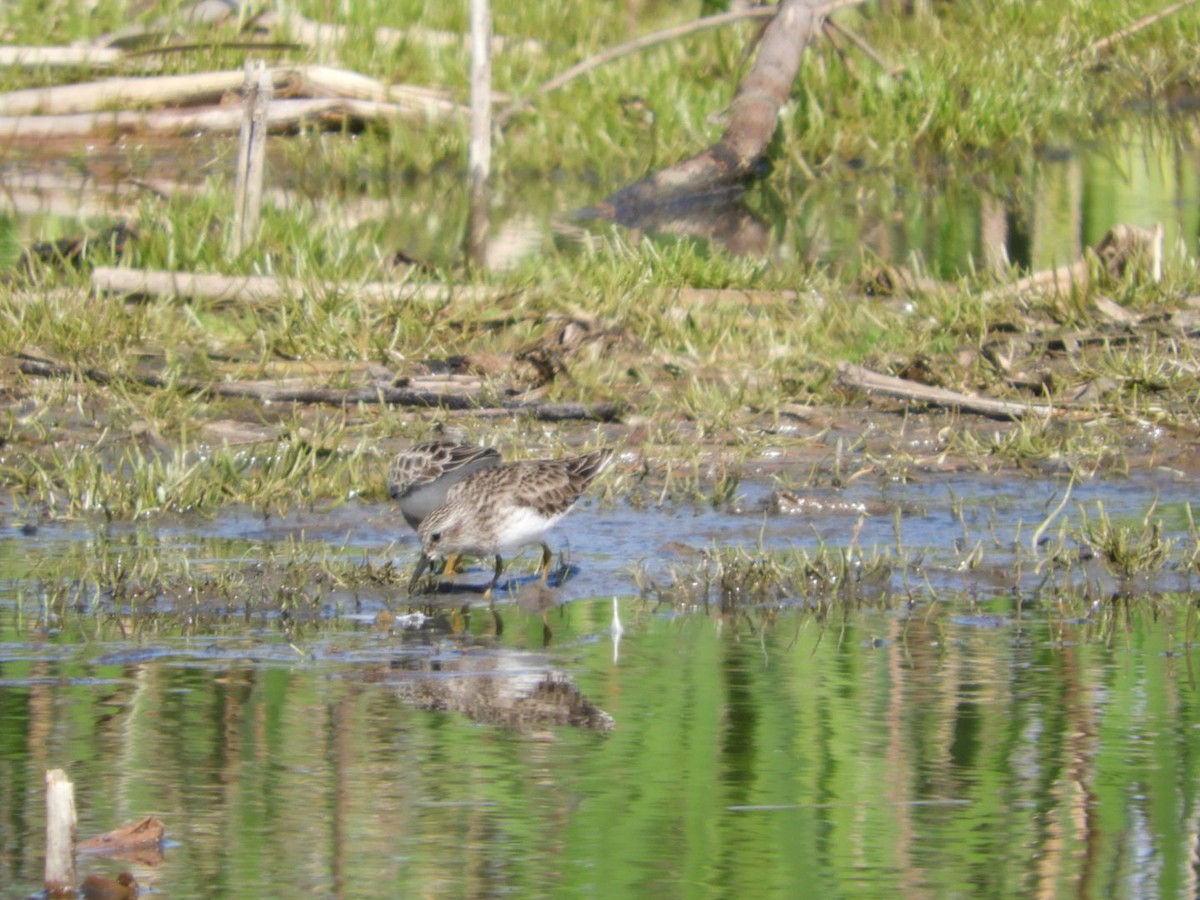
(547, 558)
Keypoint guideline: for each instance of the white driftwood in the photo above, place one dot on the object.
(210, 87)
(50, 57)
(111, 93)
(325, 81)
(283, 115)
(264, 289)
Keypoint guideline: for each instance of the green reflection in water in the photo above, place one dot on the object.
(927, 754)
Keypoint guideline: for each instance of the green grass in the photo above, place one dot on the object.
(986, 88)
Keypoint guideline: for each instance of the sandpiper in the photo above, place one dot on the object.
(420, 477)
(503, 508)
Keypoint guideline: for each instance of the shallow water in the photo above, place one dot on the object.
(955, 738)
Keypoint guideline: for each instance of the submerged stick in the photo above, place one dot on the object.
(60, 834)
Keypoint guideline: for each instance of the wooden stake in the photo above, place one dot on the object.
(60, 834)
(252, 148)
(479, 153)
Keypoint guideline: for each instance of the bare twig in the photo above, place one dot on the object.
(1145, 22)
(862, 44)
(650, 40)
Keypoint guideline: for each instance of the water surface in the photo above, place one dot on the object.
(940, 742)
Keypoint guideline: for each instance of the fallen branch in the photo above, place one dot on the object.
(264, 289)
(282, 117)
(202, 87)
(305, 31)
(298, 391)
(858, 378)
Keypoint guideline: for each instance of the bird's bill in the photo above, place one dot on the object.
(422, 565)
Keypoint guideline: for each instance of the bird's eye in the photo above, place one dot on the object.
(435, 537)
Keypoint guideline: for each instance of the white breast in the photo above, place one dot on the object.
(521, 526)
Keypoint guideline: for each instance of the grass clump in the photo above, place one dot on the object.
(735, 579)
(1127, 549)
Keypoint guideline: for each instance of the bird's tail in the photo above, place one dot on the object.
(589, 465)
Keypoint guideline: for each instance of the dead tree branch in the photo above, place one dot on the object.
(721, 172)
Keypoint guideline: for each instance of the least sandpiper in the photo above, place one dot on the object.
(420, 477)
(501, 509)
